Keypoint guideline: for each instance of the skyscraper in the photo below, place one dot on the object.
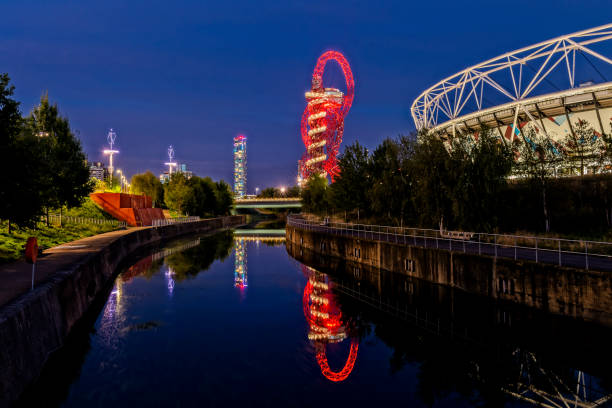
(240, 165)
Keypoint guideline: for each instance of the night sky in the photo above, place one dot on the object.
(195, 74)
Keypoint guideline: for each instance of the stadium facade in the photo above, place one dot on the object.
(545, 88)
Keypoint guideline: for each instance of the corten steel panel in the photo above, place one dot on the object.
(128, 207)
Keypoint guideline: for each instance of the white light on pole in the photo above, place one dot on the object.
(110, 151)
(170, 162)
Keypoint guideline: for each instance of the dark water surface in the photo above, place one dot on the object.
(235, 321)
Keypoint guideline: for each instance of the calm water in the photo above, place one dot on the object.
(228, 321)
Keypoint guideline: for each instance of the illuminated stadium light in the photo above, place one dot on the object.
(322, 124)
(240, 165)
(170, 163)
(534, 88)
(110, 137)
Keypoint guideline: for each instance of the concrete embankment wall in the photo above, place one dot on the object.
(37, 323)
(565, 291)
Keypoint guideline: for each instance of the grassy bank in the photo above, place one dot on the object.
(12, 245)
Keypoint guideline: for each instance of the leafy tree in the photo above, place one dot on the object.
(65, 181)
(270, 192)
(580, 145)
(390, 193)
(478, 169)
(315, 194)
(201, 200)
(177, 192)
(20, 200)
(349, 190)
(224, 198)
(538, 158)
(294, 191)
(432, 180)
(148, 184)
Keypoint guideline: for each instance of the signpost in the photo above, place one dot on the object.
(31, 253)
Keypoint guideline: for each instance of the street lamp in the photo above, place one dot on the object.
(282, 190)
(256, 190)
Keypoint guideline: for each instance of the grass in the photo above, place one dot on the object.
(12, 245)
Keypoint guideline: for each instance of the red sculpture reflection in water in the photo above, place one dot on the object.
(326, 325)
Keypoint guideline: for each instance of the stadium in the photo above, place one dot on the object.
(547, 88)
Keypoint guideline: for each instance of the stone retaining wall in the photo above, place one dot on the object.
(37, 323)
(565, 291)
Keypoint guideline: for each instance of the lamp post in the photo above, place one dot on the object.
(120, 180)
(256, 191)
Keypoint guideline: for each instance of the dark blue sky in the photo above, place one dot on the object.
(194, 74)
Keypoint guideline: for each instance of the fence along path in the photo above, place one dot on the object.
(56, 218)
(563, 252)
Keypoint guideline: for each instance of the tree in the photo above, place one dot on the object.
(538, 158)
(315, 195)
(20, 200)
(66, 179)
(478, 168)
(148, 184)
(349, 190)
(432, 180)
(270, 192)
(176, 193)
(294, 191)
(224, 198)
(580, 145)
(390, 193)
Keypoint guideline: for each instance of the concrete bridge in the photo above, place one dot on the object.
(287, 202)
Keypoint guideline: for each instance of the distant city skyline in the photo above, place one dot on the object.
(195, 76)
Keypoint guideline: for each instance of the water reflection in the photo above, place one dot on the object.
(271, 237)
(240, 263)
(491, 352)
(326, 323)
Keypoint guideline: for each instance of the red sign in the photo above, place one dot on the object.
(31, 250)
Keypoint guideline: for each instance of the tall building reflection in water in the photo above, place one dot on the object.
(240, 263)
(326, 324)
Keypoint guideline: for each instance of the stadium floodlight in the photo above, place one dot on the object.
(170, 163)
(110, 137)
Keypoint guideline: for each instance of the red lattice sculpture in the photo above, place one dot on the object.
(323, 119)
(326, 326)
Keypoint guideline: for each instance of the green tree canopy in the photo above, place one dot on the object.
(349, 191)
(148, 184)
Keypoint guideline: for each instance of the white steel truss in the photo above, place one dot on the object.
(447, 100)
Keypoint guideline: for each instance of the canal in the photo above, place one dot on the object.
(232, 319)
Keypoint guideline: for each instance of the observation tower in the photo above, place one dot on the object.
(322, 124)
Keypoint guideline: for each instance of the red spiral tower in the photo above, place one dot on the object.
(323, 119)
(326, 325)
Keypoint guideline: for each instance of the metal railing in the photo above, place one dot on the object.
(563, 252)
(170, 221)
(68, 219)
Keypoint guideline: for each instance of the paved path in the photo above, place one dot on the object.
(548, 256)
(16, 277)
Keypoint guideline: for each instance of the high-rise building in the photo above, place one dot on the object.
(97, 170)
(240, 165)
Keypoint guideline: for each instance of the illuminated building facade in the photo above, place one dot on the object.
(322, 124)
(240, 165)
